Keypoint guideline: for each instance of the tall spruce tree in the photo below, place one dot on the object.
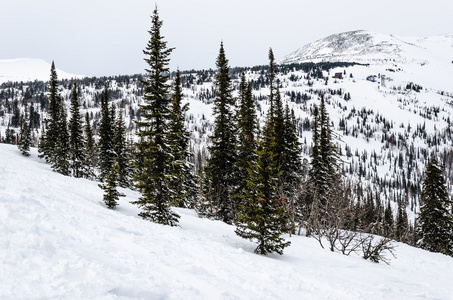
(90, 149)
(76, 144)
(153, 179)
(324, 200)
(122, 155)
(25, 139)
(60, 161)
(435, 220)
(324, 159)
(263, 214)
(388, 221)
(183, 181)
(219, 168)
(106, 135)
(272, 80)
(49, 137)
(247, 132)
(287, 147)
(401, 224)
(291, 164)
(276, 113)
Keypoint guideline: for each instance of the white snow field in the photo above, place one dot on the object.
(29, 69)
(59, 241)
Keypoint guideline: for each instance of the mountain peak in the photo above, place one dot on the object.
(370, 47)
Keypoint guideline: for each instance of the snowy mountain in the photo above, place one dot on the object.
(365, 46)
(59, 241)
(28, 69)
(428, 56)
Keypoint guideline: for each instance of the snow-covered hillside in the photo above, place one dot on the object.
(59, 241)
(426, 56)
(365, 46)
(28, 69)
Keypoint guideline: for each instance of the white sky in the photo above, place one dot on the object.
(106, 37)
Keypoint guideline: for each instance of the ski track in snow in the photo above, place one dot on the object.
(59, 241)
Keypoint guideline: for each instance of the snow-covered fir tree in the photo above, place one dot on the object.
(76, 142)
(111, 194)
(219, 167)
(247, 135)
(61, 163)
(25, 139)
(106, 135)
(153, 178)
(51, 131)
(435, 220)
(183, 182)
(122, 153)
(91, 154)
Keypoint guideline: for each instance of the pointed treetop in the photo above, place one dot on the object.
(271, 55)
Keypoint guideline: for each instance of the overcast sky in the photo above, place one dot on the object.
(106, 37)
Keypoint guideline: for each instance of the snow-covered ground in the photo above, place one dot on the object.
(58, 241)
(29, 69)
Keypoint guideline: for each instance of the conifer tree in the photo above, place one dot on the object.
(324, 159)
(111, 194)
(153, 178)
(401, 224)
(278, 118)
(247, 131)
(287, 147)
(263, 214)
(276, 110)
(183, 180)
(60, 161)
(435, 220)
(388, 221)
(282, 126)
(106, 134)
(291, 165)
(90, 149)
(50, 134)
(76, 144)
(325, 198)
(272, 83)
(25, 139)
(9, 135)
(122, 155)
(219, 168)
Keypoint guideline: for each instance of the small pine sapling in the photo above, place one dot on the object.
(111, 194)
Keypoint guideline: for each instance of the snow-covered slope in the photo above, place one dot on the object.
(424, 57)
(58, 241)
(28, 69)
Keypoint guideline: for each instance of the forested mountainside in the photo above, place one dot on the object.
(389, 115)
(387, 131)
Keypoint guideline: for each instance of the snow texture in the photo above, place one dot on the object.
(59, 241)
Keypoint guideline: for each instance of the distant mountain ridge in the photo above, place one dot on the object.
(29, 69)
(364, 46)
